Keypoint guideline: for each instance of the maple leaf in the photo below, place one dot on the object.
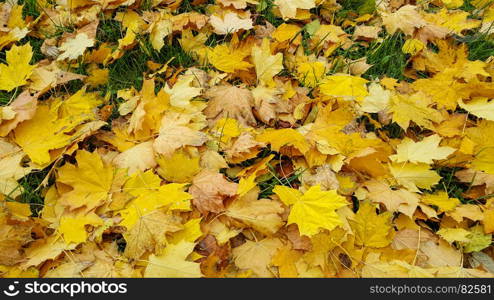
(210, 189)
(230, 23)
(406, 19)
(285, 260)
(441, 201)
(481, 107)
(73, 230)
(413, 108)
(138, 158)
(243, 148)
(478, 240)
(371, 229)
(312, 211)
(228, 59)
(424, 151)
(182, 91)
(257, 256)
(284, 137)
(150, 196)
(14, 237)
(60, 129)
(401, 200)
(455, 21)
(288, 9)
(190, 232)
(345, 86)
(175, 134)
(263, 214)
(172, 263)
(267, 65)
(454, 234)
(149, 233)
(232, 102)
(159, 30)
(180, 167)
(91, 181)
(412, 176)
(75, 47)
(11, 169)
(377, 100)
(18, 59)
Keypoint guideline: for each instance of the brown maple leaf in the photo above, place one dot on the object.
(210, 189)
(227, 101)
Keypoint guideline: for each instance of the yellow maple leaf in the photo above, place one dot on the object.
(285, 260)
(441, 200)
(286, 32)
(17, 70)
(406, 19)
(266, 64)
(150, 199)
(226, 129)
(60, 126)
(262, 215)
(481, 107)
(345, 86)
(483, 160)
(75, 47)
(230, 23)
(314, 210)
(182, 91)
(149, 233)
(284, 137)
(412, 176)
(452, 3)
(73, 230)
(311, 73)
(228, 59)
(190, 233)
(456, 21)
(257, 256)
(413, 108)
(371, 229)
(454, 234)
(412, 46)
(424, 151)
(288, 9)
(172, 262)
(180, 167)
(246, 184)
(91, 181)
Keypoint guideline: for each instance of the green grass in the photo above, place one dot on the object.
(109, 31)
(128, 70)
(270, 180)
(451, 185)
(265, 10)
(360, 6)
(30, 8)
(387, 58)
(480, 46)
(187, 6)
(7, 97)
(31, 191)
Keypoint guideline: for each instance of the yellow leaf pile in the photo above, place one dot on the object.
(246, 138)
